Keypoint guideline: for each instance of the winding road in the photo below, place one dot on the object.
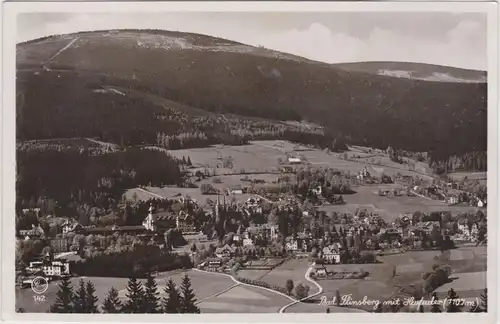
(239, 283)
(308, 278)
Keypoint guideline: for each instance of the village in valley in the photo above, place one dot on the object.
(273, 226)
(178, 171)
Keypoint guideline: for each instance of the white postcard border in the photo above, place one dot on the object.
(9, 25)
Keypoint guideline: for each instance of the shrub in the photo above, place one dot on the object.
(438, 277)
(301, 291)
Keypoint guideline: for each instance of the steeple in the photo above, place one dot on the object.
(149, 222)
(217, 207)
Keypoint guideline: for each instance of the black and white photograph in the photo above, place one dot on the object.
(251, 162)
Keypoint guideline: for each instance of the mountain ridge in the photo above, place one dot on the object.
(364, 107)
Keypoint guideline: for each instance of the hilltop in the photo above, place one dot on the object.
(417, 71)
(225, 77)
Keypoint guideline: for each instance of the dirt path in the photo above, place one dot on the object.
(61, 50)
(217, 294)
(150, 193)
(239, 283)
(308, 278)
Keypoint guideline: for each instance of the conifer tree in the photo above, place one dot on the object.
(80, 300)
(452, 298)
(134, 295)
(64, 299)
(484, 301)
(151, 299)
(475, 308)
(189, 161)
(91, 298)
(435, 308)
(172, 299)
(112, 304)
(187, 297)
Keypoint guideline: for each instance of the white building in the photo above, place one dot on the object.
(34, 266)
(317, 191)
(248, 242)
(292, 245)
(56, 269)
(294, 160)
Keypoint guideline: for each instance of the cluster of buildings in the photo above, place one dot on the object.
(449, 195)
(51, 268)
(34, 232)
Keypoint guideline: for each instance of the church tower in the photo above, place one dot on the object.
(217, 206)
(150, 220)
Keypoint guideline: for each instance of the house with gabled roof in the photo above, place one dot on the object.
(331, 253)
(34, 232)
(71, 226)
(225, 251)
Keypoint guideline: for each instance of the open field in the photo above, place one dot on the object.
(467, 285)
(315, 307)
(172, 192)
(470, 175)
(357, 289)
(204, 285)
(244, 299)
(388, 166)
(249, 158)
(167, 192)
(229, 181)
(390, 207)
(378, 271)
(376, 286)
(480, 259)
(294, 269)
(409, 268)
(252, 274)
(262, 156)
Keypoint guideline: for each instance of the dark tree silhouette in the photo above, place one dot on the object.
(151, 299)
(484, 301)
(452, 300)
(435, 307)
(188, 299)
(172, 300)
(91, 298)
(112, 303)
(289, 286)
(134, 295)
(80, 299)
(64, 299)
(301, 291)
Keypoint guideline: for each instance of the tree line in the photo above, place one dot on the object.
(140, 298)
(474, 161)
(75, 177)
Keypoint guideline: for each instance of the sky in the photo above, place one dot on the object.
(452, 39)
